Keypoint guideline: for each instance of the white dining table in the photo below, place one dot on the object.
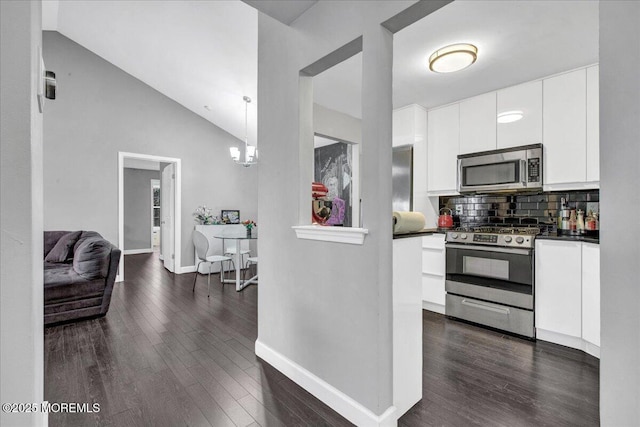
(238, 235)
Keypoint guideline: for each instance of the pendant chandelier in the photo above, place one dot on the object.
(250, 151)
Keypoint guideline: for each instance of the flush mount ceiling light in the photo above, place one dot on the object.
(452, 58)
(510, 116)
(250, 151)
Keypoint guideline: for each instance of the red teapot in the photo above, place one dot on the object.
(445, 220)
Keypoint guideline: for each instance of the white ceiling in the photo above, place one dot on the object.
(195, 52)
(517, 41)
(133, 163)
(285, 11)
(205, 52)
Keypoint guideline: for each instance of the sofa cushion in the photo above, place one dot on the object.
(50, 240)
(91, 258)
(63, 249)
(62, 283)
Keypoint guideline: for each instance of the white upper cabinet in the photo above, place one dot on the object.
(478, 123)
(565, 128)
(526, 98)
(409, 125)
(442, 149)
(410, 128)
(593, 124)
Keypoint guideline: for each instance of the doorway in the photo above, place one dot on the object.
(169, 170)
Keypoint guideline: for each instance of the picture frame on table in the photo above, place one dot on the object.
(230, 216)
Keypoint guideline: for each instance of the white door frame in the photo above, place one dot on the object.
(153, 182)
(178, 206)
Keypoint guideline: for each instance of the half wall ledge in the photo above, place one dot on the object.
(349, 235)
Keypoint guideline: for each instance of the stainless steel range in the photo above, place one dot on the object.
(490, 277)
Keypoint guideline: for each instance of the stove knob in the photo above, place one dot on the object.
(507, 239)
(454, 235)
(519, 240)
(463, 236)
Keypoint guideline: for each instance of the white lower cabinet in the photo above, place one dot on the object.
(591, 293)
(433, 273)
(558, 287)
(567, 294)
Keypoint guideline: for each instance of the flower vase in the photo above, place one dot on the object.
(248, 232)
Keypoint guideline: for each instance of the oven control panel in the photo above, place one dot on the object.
(491, 239)
(485, 238)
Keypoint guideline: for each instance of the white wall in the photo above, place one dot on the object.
(100, 111)
(338, 125)
(137, 208)
(324, 306)
(21, 289)
(619, 239)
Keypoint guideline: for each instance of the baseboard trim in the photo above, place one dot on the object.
(137, 251)
(187, 269)
(568, 341)
(432, 306)
(334, 398)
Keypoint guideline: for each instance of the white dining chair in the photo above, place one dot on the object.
(201, 244)
(250, 260)
(231, 250)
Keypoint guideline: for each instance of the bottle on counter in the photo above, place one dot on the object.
(591, 221)
(573, 224)
(580, 221)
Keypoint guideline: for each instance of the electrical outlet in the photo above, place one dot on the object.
(459, 210)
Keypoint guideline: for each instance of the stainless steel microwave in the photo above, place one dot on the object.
(505, 170)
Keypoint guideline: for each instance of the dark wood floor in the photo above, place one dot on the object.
(164, 356)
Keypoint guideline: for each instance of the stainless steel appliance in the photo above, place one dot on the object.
(490, 277)
(402, 178)
(506, 170)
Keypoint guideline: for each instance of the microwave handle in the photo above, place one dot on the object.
(523, 172)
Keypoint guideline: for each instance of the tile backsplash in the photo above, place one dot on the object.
(518, 210)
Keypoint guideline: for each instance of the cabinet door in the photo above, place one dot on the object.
(403, 126)
(478, 124)
(591, 293)
(558, 306)
(565, 127)
(527, 98)
(442, 149)
(593, 124)
(433, 269)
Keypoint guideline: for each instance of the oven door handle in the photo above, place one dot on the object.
(515, 251)
(487, 307)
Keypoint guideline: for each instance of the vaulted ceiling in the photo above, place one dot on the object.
(203, 54)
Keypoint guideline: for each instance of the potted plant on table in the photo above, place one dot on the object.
(204, 217)
(249, 224)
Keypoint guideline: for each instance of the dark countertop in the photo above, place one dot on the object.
(423, 232)
(569, 238)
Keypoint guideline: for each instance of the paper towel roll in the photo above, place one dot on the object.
(407, 222)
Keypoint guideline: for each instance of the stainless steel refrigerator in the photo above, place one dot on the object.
(402, 178)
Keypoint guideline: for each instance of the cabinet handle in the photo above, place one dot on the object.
(493, 308)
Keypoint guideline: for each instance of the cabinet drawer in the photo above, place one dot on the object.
(508, 319)
(433, 289)
(433, 261)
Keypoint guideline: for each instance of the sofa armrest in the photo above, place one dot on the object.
(112, 272)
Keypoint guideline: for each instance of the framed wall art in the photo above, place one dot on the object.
(230, 217)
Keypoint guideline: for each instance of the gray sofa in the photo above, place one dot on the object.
(80, 269)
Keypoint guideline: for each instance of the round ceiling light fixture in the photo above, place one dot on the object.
(452, 58)
(510, 116)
